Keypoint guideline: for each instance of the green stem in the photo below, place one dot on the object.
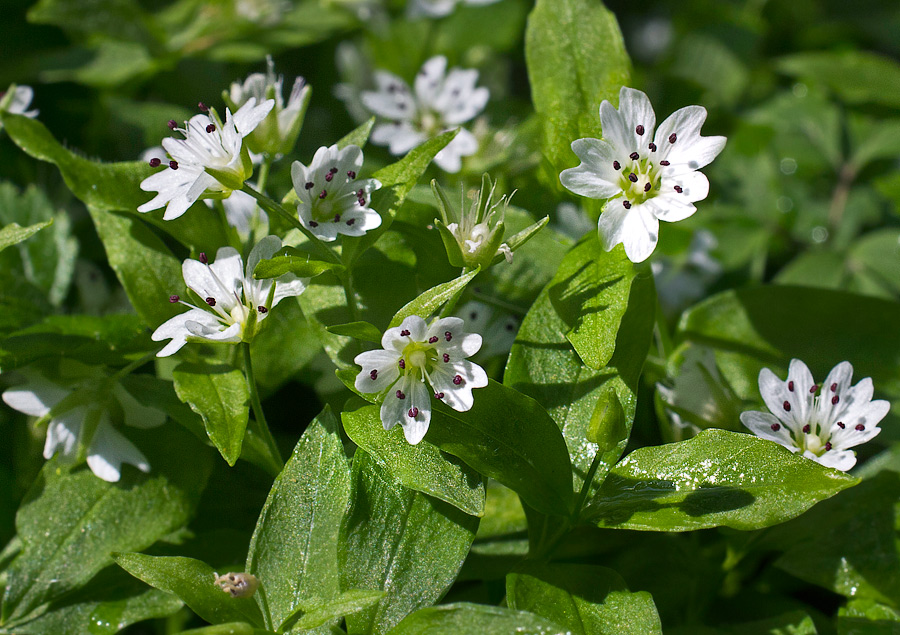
(259, 418)
(264, 173)
(271, 206)
(347, 283)
(586, 486)
(133, 366)
(663, 339)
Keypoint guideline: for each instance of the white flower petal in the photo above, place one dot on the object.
(36, 397)
(394, 339)
(175, 328)
(215, 332)
(417, 418)
(401, 137)
(383, 363)
(458, 395)
(62, 434)
(394, 407)
(250, 115)
(689, 151)
(393, 100)
(108, 450)
(636, 229)
(464, 144)
(842, 460)
(636, 110)
(761, 424)
(430, 78)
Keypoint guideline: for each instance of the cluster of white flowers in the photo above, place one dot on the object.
(440, 101)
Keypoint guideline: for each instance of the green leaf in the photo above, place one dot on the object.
(451, 619)
(71, 520)
(511, 438)
(294, 549)
(219, 394)
(586, 599)
(400, 541)
(358, 330)
(793, 623)
(357, 137)
(147, 269)
(112, 186)
(421, 467)
(111, 339)
(761, 327)
(816, 547)
(858, 77)
(587, 404)
(299, 265)
(576, 59)
(717, 478)
(430, 301)
(313, 615)
(13, 234)
(522, 237)
(194, 582)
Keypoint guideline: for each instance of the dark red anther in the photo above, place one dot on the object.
(404, 333)
(337, 218)
(833, 387)
(446, 358)
(633, 177)
(841, 425)
(329, 176)
(448, 335)
(313, 223)
(806, 429)
(360, 192)
(457, 380)
(211, 301)
(173, 164)
(350, 222)
(211, 127)
(262, 309)
(860, 427)
(626, 204)
(647, 187)
(154, 162)
(813, 389)
(835, 400)
(172, 124)
(787, 406)
(634, 156)
(400, 394)
(174, 298)
(309, 185)
(665, 164)
(323, 194)
(203, 258)
(652, 147)
(828, 446)
(672, 137)
(373, 375)
(679, 189)
(361, 201)
(617, 165)
(639, 129)
(413, 412)
(775, 427)
(203, 107)
(351, 174)
(438, 395)
(791, 386)
(432, 339)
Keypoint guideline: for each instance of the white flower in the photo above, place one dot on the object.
(277, 133)
(439, 8)
(413, 353)
(106, 447)
(235, 302)
(819, 422)
(332, 200)
(16, 100)
(499, 327)
(242, 213)
(647, 177)
(210, 161)
(441, 101)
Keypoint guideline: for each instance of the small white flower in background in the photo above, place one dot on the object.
(473, 234)
(499, 327)
(416, 352)
(85, 421)
(442, 100)
(235, 303)
(277, 133)
(821, 422)
(16, 99)
(242, 213)
(332, 200)
(211, 161)
(439, 8)
(647, 177)
(682, 281)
